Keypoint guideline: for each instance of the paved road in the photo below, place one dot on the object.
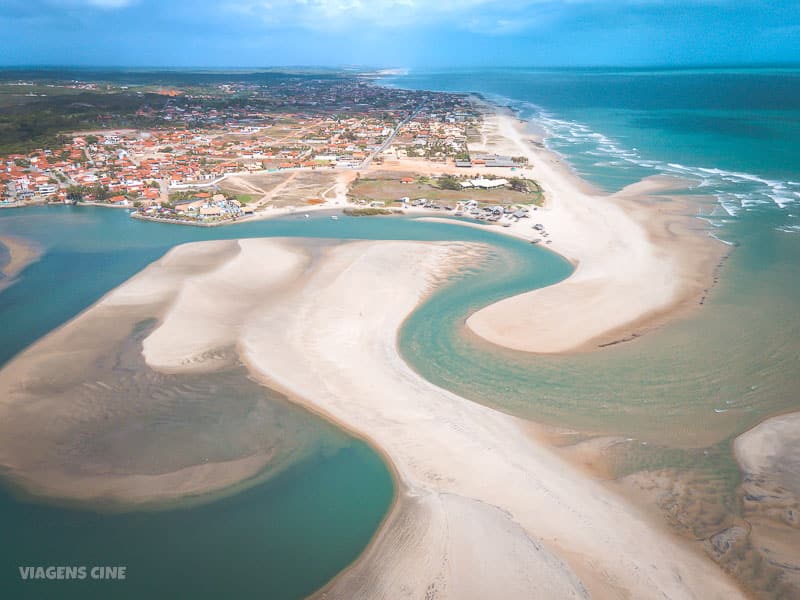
(390, 139)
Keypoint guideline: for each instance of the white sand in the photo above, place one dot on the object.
(260, 270)
(772, 449)
(634, 262)
(483, 510)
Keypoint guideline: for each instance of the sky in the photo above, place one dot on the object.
(398, 33)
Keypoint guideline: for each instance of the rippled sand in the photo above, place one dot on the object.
(84, 418)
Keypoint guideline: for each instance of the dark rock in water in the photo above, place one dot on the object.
(722, 542)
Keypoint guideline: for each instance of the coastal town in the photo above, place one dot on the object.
(221, 153)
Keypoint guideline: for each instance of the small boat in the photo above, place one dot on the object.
(307, 216)
(334, 217)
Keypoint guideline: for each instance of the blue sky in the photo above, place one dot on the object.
(398, 33)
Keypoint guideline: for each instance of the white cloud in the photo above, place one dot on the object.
(110, 3)
(101, 4)
(327, 14)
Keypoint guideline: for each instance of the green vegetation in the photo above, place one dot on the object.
(98, 193)
(175, 197)
(370, 212)
(448, 182)
(388, 187)
(41, 121)
(246, 198)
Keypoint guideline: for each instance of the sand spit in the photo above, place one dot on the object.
(84, 418)
(639, 256)
(483, 510)
(21, 254)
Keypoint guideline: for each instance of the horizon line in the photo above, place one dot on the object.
(368, 68)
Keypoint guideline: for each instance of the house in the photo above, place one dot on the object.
(210, 211)
(489, 184)
(189, 205)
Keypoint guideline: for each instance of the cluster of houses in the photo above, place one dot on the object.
(289, 125)
(199, 140)
(436, 132)
(202, 207)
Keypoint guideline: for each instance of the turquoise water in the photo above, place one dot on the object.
(734, 133)
(679, 396)
(282, 538)
(696, 383)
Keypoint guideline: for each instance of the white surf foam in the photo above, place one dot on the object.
(737, 192)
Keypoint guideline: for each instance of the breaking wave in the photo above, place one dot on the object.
(737, 192)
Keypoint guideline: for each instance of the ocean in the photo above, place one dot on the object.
(674, 400)
(678, 396)
(733, 133)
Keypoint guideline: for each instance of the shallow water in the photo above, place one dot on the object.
(680, 394)
(677, 396)
(283, 537)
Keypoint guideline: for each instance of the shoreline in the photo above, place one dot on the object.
(21, 254)
(323, 326)
(431, 492)
(469, 511)
(638, 261)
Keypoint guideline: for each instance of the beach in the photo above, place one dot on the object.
(482, 507)
(527, 523)
(640, 256)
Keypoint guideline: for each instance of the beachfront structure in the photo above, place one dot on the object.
(488, 184)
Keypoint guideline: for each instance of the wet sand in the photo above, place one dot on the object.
(83, 418)
(482, 510)
(769, 455)
(20, 254)
(640, 256)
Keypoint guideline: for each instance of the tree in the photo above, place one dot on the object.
(76, 192)
(92, 139)
(101, 193)
(448, 182)
(518, 184)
